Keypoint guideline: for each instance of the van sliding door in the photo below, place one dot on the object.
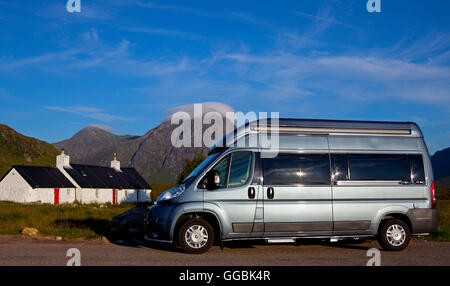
(297, 194)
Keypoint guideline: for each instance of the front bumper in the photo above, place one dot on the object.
(423, 220)
(155, 226)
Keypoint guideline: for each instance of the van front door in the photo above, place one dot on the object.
(297, 194)
(235, 199)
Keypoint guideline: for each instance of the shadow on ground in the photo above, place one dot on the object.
(126, 229)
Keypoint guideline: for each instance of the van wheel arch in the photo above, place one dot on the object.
(207, 216)
(400, 216)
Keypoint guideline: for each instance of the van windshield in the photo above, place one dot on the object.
(201, 167)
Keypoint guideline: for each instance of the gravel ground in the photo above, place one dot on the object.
(17, 250)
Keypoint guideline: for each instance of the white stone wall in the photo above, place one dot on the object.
(14, 188)
(91, 196)
(101, 196)
(66, 195)
(16, 194)
(132, 196)
(45, 196)
(126, 196)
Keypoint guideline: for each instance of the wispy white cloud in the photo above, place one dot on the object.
(409, 72)
(276, 74)
(433, 48)
(387, 77)
(176, 8)
(102, 126)
(310, 36)
(89, 52)
(256, 21)
(90, 112)
(8, 64)
(383, 69)
(326, 19)
(167, 32)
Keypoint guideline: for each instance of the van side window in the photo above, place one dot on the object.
(297, 169)
(379, 167)
(222, 168)
(339, 167)
(417, 170)
(234, 169)
(241, 166)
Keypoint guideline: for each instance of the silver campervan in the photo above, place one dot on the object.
(329, 179)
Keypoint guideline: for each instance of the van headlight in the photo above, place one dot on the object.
(171, 193)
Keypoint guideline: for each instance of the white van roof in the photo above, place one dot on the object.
(290, 126)
(341, 126)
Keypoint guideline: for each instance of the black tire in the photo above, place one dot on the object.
(402, 235)
(200, 227)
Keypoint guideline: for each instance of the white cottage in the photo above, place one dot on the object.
(33, 184)
(68, 183)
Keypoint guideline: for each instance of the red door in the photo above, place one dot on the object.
(114, 197)
(56, 196)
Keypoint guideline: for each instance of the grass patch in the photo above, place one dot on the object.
(443, 188)
(443, 232)
(88, 221)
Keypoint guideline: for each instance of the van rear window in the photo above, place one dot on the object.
(297, 169)
(378, 167)
(417, 170)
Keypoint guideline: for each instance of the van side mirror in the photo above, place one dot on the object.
(210, 181)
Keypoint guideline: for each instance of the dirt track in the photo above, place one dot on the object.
(29, 251)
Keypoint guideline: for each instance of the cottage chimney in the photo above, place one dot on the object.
(62, 160)
(115, 164)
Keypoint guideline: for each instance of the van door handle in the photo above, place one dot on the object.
(270, 193)
(251, 193)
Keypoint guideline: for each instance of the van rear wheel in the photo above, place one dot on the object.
(196, 236)
(394, 235)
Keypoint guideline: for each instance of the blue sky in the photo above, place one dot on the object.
(123, 64)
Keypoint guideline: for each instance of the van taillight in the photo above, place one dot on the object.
(433, 196)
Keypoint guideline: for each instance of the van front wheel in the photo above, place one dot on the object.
(394, 235)
(196, 236)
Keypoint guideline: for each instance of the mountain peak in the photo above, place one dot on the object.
(90, 140)
(94, 127)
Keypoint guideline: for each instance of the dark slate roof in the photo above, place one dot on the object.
(98, 177)
(43, 177)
